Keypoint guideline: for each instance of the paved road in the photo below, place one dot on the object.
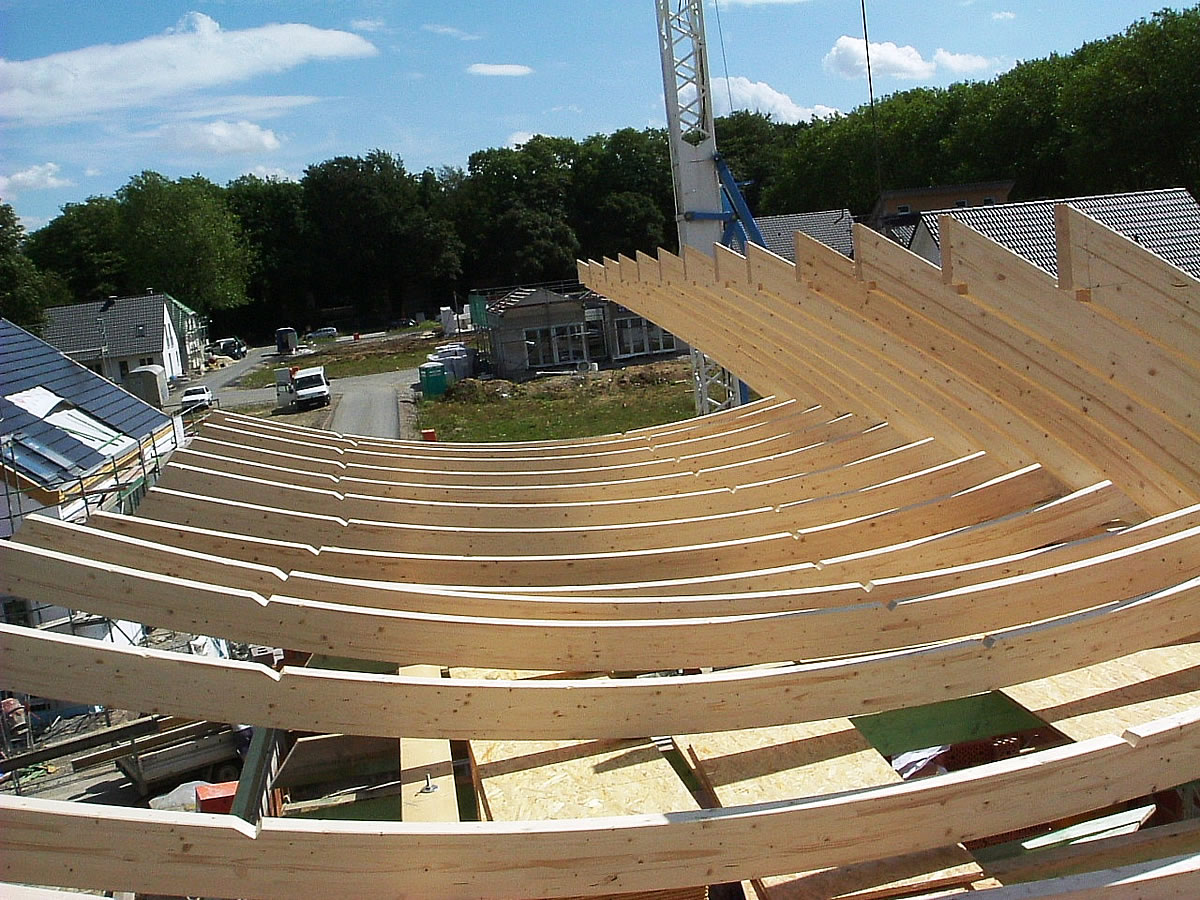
(375, 405)
(371, 404)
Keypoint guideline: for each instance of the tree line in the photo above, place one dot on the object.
(361, 241)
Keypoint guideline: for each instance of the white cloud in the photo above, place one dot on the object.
(220, 137)
(502, 69)
(272, 172)
(35, 178)
(517, 138)
(848, 58)
(450, 31)
(1004, 16)
(963, 63)
(194, 55)
(368, 25)
(761, 97)
(241, 107)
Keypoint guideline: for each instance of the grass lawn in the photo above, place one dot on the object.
(346, 360)
(563, 406)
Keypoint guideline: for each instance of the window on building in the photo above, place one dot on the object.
(637, 337)
(124, 367)
(960, 203)
(146, 361)
(554, 346)
(989, 201)
(903, 208)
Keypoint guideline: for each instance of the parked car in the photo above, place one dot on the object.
(322, 333)
(234, 348)
(404, 323)
(194, 398)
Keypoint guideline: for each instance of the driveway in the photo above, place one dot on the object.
(372, 405)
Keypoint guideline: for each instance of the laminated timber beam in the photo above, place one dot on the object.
(1089, 512)
(422, 526)
(163, 852)
(94, 547)
(1088, 392)
(123, 592)
(353, 703)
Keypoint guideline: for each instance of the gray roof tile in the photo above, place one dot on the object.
(833, 227)
(1165, 222)
(133, 326)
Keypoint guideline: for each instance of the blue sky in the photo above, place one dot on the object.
(94, 91)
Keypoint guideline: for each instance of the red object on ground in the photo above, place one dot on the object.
(356, 335)
(428, 434)
(216, 798)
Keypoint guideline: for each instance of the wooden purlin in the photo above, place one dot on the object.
(1099, 266)
(1009, 530)
(858, 624)
(601, 856)
(1090, 393)
(333, 702)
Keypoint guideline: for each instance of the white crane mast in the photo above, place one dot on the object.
(693, 145)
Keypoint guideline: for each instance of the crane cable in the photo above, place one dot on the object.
(724, 61)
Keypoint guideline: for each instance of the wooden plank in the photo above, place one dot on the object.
(61, 842)
(69, 668)
(328, 757)
(1125, 281)
(427, 770)
(124, 592)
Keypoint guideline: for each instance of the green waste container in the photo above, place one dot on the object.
(433, 379)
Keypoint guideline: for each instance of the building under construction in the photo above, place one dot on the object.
(921, 622)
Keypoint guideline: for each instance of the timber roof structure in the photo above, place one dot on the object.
(971, 502)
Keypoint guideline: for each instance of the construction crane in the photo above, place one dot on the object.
(709, 206)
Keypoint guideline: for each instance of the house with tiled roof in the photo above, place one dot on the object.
(72, 441)
(1165, 222)
(832, 227)
(115, 336)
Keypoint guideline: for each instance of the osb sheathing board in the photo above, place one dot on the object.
(530, 780)
(806, 760)
(526, 780)
(1110, 696)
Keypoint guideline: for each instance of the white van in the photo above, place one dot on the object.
(306, 388)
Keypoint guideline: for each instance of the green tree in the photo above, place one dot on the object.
(25, 291)
(1131, 107)
(181, 238)
(84, 247)
(271, 212)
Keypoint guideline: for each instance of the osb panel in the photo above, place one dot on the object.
(787, 761)
(577, 779)
(1108, 697)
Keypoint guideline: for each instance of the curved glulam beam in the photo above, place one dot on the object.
(100, 546)
(187, 853)
(861, 625)
(1089, 392)
(351, 703)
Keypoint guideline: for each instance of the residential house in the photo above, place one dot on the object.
(832, 227)
(1165, 222)
(895, 212)
(537, 329)
(114, 336)
(71, 442)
